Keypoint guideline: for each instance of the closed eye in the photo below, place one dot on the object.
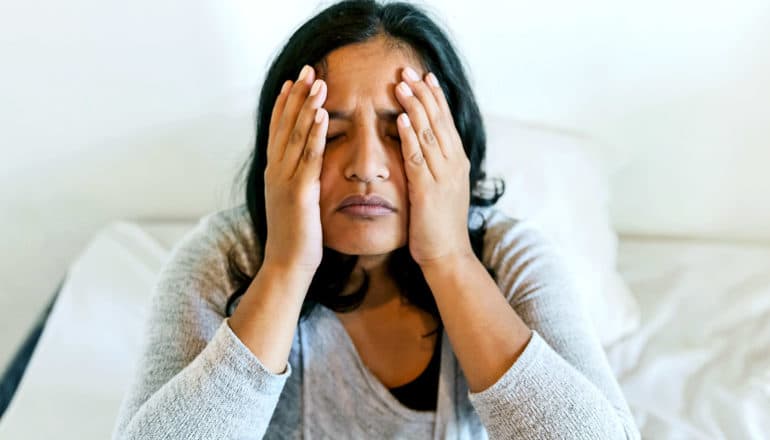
(335, 137)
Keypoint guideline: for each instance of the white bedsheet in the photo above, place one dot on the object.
(699, 367)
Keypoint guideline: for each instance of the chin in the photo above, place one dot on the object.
(349, 244)
(355, 241)
(362, 237)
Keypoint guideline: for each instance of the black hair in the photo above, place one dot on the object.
(341, 24)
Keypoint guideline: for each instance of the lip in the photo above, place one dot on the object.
(373, 203)
(366, 210)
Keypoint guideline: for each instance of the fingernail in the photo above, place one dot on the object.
(304, 73)
(319, 115)
(405, 120)
(411, 74)
(432, 79)
(316, 87)
(285, 87)
(405, 89)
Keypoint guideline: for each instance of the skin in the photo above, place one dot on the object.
(363, 156)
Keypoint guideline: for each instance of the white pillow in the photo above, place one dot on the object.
(559, 181)
(84, 359)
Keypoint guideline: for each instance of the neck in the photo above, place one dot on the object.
(382, 288)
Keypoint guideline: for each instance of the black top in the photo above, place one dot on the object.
(421, 393)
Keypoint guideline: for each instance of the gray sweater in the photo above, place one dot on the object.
(196, 380)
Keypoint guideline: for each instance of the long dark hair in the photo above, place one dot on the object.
(348, 22)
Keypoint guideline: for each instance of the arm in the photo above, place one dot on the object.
(551, 382)
(266, 317)
(196, 379)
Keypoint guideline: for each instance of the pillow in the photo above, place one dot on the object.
(84, 359)
(560, 182)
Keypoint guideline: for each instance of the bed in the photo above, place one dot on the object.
(698, 366)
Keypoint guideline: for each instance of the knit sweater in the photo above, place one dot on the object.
(195, 379)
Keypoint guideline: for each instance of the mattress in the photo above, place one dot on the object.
(698, 367)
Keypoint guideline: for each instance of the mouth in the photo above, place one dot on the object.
(366, 205)
(361, 201)
(366, 210)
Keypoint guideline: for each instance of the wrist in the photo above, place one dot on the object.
(289, 265)
(289, 275)
(448, 264)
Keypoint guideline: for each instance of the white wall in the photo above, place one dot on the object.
(682, 87)
(143, 110)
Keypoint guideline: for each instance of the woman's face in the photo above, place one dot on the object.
(363, 152)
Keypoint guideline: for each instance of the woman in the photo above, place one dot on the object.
(350, 296)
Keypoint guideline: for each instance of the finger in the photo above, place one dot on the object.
(421, 126)
(299, 134)
(280, 103)
(415, 166)
(309, 167)
(294, 102)
(434, 115)
(438, 94)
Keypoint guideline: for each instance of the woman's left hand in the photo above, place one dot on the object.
(437, 172)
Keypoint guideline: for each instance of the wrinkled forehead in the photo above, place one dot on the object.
(370, 69)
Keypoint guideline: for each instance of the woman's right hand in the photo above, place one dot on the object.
(295, 150)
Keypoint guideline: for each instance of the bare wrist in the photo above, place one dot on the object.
(292, 275)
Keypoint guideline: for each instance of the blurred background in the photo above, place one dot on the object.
(144, 110)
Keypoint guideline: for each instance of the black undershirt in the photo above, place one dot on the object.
(421, 393)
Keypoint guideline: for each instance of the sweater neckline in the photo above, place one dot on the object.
(377, 387)
(328, 358)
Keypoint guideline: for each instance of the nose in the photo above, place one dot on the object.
(368, 158)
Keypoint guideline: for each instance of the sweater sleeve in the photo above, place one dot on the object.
(195, 379)
(562, 385)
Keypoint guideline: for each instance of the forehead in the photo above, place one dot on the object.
(368, 70)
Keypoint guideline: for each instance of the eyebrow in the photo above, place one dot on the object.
(386, 114)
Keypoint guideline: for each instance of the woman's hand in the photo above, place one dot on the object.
(295, 149)
(437, 172)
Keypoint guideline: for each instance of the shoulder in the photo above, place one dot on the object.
(504, 233)
(227, 225)
(203, 254)
(519, 251)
